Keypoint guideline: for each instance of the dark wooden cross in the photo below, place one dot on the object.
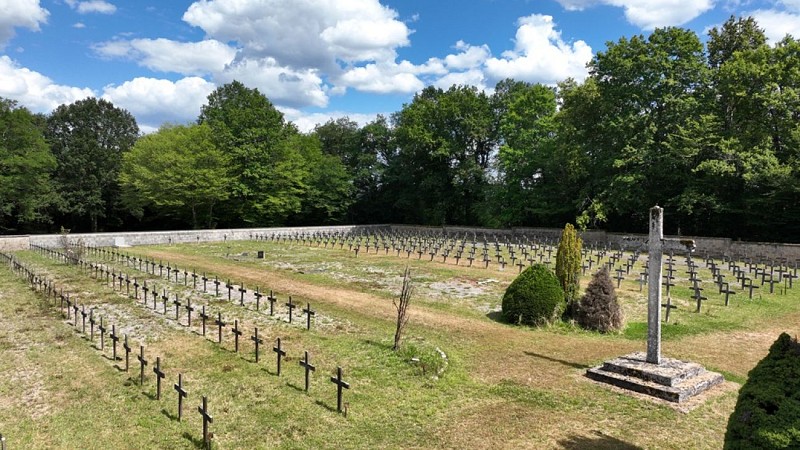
(194, 280)
(258, 296)
(306, 364)
(181, 395)
(189, 309)
(271, 299)
(83, 319)
(242, 291)
(135, 289)
(236, 333)
(91, 325)
(229, 287)
(204, 317)
(291, 307)
(114, 339)
(309, 312)
(142, 363)
(207, 419)
(280, 353)
(205, 279)
(178, 305)
(102, 329)
(127, 352)
(258, 341)
(220, 324)
(145, 289)
(164, 300)
(339, 385)
(159, 375)
(669, 306)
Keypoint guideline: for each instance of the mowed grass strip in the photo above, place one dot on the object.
(504, 387)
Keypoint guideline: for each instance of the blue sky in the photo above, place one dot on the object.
(317, 59)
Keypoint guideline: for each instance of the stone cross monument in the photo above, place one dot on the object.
(656, 247)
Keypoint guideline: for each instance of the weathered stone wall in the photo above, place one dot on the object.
(705, 245)
(13, 243)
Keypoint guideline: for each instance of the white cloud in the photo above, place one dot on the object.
(164, 55)
(20, 13)
(280, 84)
(777, 24)
(155, 101)
(473, 77)
(92, 6)
(540, 55)
(792, 5)
(383, 78)
(306, 122)
(649, 14)
(79, 25)
(469, 57)
(34, 90)
(303, 33)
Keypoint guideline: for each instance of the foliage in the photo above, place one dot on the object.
(401, 305)
(767, 413)
(535, 297)
(176, 171)
(568, 263)
(25, 167)
(598, 309)
(268, 177)
(88, 139)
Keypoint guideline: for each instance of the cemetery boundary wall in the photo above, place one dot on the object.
(716, 247)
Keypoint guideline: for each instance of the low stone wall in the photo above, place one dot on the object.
(13, 243)
(716, 247)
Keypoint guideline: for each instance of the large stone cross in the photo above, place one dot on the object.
(657, 245)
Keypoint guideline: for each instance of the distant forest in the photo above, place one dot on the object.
(709, 132)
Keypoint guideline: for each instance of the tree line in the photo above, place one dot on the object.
(709, 131)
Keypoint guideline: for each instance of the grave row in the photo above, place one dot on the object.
(70, 308)
(103, 271)
(522, 248)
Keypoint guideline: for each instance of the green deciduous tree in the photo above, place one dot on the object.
(88, 139)
(268, 177)
(25, 167)
(177, 171)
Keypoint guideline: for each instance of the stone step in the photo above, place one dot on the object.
(670, 372)
(678, 393)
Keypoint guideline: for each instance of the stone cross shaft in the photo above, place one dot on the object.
(657, 245)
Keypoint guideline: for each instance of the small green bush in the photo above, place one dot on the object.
(535, 297)
(767, 413)
(598, 308)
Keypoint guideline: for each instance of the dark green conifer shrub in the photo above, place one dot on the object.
(767, 413)
(535, 297)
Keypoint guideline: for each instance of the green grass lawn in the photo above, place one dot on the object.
(501, 386)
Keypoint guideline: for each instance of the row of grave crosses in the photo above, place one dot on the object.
(70, 309)
(101, 271)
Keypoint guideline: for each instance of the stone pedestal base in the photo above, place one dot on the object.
(672, 380)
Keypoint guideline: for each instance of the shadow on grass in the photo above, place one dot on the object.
(497, 316)
(326, 406)
(560, 361)
(196, 442)
(150, 396)
(599, 441)
(169, 415)
(385, 346)
(296, 387)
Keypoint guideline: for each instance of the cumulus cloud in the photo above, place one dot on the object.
(156, 101)
(306, 122)
(92, 6)
(303, 33)
(777, 24)
(469, 56)
(164, 55)
(34, 90)
(20, 13)
(383, 78)
(649, 14)
(281, 84)
(540, 55)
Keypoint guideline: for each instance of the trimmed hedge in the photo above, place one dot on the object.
(535, 297)
(767, 413)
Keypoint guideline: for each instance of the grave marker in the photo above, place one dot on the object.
(337, 380)
(257, 341)
(207, 419)
(142, 363)
(159, 375)
(306, 364)
(181, 395)
(280, 353)
(236, 333)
